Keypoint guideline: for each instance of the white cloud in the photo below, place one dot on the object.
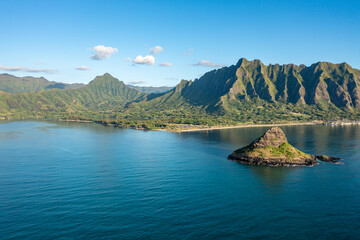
(189, 52)
(156, 50)
(148, 60)
(165, 64)
(128, 59)
(103, 52)
(206, 63)
(136, 82)
(82, 68)
(25, 69)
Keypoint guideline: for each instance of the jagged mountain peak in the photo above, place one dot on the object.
(182, 85)
(105, 77)
(107, 81)
(321, 83)
(242, 61)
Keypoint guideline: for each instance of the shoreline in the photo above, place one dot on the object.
(247, 126)
(196, 129)
(73, 120)
(199, 128)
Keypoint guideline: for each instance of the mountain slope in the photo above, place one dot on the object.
(247, 92)
(322, 83)
(13, 84)
(103, 93)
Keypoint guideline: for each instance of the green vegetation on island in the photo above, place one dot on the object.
(273, 149)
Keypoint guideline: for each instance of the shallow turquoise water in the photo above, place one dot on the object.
(86, 181)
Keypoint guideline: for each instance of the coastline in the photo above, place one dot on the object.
(74, 120)
(247, 126)
(196, 128)
(179, 128)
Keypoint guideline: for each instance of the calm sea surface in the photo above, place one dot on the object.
(87, 181)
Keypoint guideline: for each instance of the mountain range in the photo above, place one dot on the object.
(248, 91)
(12, 84)
(320, 83)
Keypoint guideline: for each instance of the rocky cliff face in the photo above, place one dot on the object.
(320, 83)
(272, 149)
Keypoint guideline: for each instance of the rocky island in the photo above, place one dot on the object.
(273, 149)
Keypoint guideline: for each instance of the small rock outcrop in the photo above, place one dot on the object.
(273, 149)
(325, 158)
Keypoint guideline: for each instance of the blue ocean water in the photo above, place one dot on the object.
(86, 181)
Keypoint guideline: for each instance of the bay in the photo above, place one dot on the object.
(63, 180)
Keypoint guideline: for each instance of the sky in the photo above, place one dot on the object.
(158, 43)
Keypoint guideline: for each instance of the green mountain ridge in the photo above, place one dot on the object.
(103, 93)
(247, 92)
(13, 84)
(320, 83)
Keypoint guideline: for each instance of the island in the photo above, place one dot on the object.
(273, 149)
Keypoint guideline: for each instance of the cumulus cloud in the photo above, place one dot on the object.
(25, 69)
(189, 52)
(128, 59)
(136, 82)
(206, 63)
(156, 50)
(103, 52)
(82, 68)
(165, 64)
(148, 60)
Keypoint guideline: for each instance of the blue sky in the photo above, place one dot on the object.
(53, 38)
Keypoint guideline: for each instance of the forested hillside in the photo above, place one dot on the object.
(247, 92)
(12, 84)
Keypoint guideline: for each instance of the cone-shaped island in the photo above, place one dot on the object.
(273, 149)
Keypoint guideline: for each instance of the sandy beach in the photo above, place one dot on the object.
(246, 126)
